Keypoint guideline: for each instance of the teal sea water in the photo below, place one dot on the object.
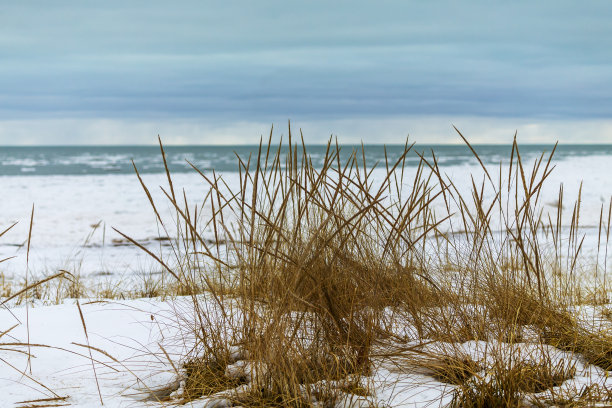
(97, 160)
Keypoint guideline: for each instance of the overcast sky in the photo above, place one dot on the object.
(222, 72)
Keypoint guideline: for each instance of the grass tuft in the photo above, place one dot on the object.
(313, 269)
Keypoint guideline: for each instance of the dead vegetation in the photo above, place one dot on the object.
(312, 269)
(318, 273)
(506, 385)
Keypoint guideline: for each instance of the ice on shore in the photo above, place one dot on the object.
(68, 207)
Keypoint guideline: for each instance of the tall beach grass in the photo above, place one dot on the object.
(317, 276)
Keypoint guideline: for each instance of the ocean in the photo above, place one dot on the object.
(109, 160)
(80, 193)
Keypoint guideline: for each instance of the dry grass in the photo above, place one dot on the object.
(207, 378)
(506, 385)
(456, 370)
(593, 395)
(315, 272)
(312, 268)
(315, 256)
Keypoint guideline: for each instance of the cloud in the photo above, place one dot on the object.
(309, 82)
(253, 62)
(389, 130)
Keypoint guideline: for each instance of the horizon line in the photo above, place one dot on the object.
(315, 144)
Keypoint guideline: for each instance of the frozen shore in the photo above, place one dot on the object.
(68, 207)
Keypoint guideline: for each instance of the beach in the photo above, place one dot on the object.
(116, 323)
(78, 203)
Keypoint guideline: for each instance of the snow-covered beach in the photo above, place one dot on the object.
(136, 345)
(305, 204)
(75, 214)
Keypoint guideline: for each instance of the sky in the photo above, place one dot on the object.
(222, 72)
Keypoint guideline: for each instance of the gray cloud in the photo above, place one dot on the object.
(387, 129)
(315, 60)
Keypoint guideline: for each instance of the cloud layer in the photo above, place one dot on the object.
(373, 130)
(223, 65)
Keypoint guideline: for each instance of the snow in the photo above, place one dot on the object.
(67, 208)
(126, 340)
(131, 341)
(130, 332)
